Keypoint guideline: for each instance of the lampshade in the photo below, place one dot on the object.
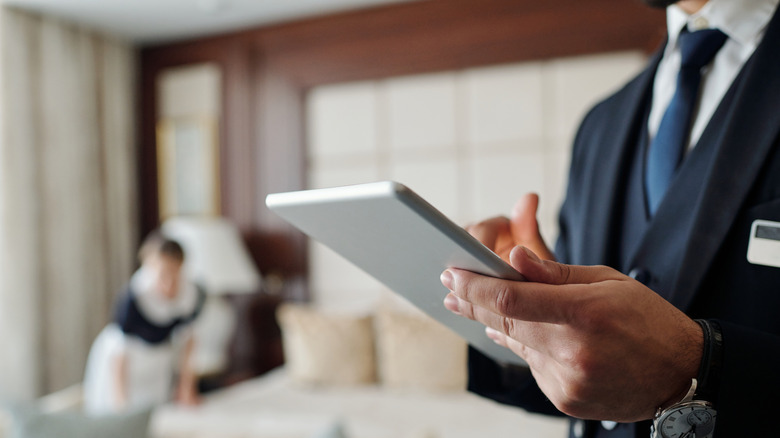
(215, 255)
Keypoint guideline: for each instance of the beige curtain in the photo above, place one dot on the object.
(67, 196)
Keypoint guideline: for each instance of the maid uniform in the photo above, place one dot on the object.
(151, 332)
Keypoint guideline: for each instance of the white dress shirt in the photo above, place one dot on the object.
(743, 21)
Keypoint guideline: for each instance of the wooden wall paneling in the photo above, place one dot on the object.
(279, 127)
(279, 143)
(146, 158)
(281, 167)
(238, 150)
(442, 35)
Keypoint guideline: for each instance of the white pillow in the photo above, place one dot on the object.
(327, 348)
(416, 351)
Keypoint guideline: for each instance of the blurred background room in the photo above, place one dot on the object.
(121, 118)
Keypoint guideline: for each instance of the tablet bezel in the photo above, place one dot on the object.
(400, 239)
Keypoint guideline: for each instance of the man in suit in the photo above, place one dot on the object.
(677, 312)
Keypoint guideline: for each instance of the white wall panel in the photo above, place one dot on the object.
(576, 84)
(500, 179)
(435, 180)
(341, 120)
(504, 103)
(421, 112)
(471, 142)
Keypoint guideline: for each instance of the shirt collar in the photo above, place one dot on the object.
(742, 20)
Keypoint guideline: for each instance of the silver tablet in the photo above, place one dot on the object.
(394, 235)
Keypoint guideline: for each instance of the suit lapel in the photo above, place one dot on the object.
(746, 142)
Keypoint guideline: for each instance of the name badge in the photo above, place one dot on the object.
(764, 246)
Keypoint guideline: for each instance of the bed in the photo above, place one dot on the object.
(274, 406)
(381, 375)
(387, 374)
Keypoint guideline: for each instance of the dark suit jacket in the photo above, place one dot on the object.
(694, 250)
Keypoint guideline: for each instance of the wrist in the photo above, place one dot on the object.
(688, 365)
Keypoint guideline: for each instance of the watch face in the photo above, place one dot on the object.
(694, 419)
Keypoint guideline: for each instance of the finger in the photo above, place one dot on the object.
(452, 304)
(529, 334)
(546, 271)
(546, 372)
(523, 219)
(489, 230)
(527, 354)
(508, 332)
(497, 328)
(525, 225)
(527, 301)
(540, 299)
(497, 337)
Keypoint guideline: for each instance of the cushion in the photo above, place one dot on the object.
(327, 348)
(415, 351)
(29, 421)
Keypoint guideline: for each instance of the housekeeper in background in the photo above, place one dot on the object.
(142, 358)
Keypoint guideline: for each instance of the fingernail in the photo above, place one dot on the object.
(493, 334)
(531, 255)
(451, 303)
(446, 279)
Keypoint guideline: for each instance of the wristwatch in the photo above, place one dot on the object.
(691, 418)
(687, 418)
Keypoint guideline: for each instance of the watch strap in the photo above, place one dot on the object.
(711, 361)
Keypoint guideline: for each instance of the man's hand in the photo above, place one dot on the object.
(601, 345)
(501, 234)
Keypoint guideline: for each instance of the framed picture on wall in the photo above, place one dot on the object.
(188, 167)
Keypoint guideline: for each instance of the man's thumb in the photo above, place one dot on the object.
(525, 226)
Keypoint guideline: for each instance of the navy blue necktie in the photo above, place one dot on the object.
(669, 145)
